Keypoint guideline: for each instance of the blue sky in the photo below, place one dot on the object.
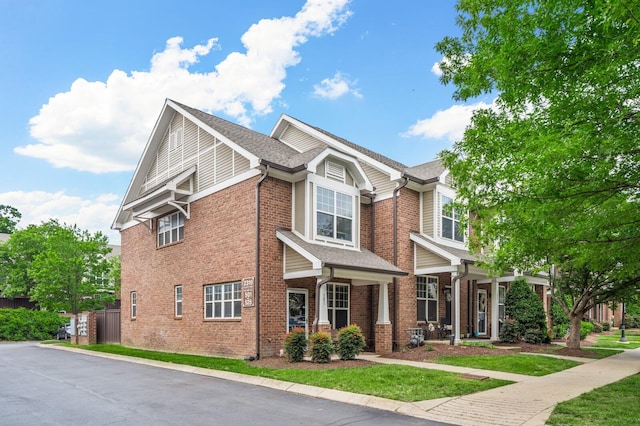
(82, 85)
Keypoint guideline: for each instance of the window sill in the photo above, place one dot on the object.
(169, 245)
(222, 319)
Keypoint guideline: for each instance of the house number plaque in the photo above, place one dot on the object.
(248, 292)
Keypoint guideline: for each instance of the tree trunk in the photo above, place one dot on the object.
(573, 341)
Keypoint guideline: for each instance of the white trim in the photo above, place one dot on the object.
(315, 262)
(425, 242)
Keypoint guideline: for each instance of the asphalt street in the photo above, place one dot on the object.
(40, 386)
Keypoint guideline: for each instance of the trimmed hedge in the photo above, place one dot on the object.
(23, 324)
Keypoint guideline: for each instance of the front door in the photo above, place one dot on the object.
(297, 308)
(482, 312)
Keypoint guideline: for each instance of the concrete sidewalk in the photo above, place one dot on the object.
(528, 402)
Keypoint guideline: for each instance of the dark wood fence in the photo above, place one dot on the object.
(108, 324)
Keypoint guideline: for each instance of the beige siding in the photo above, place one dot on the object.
(379, 179)
(224, 163)
(206, 170)
(190, 139)
(299, 207)
(427, 213)
(300, 140)
(295, 262)
(426, 259)
(240, 164)
(448, 179)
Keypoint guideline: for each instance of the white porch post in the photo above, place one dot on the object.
(456, 320)
(383, 304)
(494, 311)
(323, 310)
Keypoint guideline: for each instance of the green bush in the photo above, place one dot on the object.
(295, 344)
(557, 314)
(597, 327)
(525, 307)
(585, 329)
(535, 336)
(559, 331)
(350, 342)
(606, 326)
(632, 321)
(321, 347)
(23, 324)
(509, 332)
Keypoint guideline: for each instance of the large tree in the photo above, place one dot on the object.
(552, 170)
(9, 218)
(61, 267)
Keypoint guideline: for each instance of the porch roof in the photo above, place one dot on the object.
(347, 263)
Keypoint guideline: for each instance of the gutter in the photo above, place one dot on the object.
(257, 274)
(394, 330)
(319, 284)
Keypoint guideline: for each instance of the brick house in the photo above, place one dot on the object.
(230, 238)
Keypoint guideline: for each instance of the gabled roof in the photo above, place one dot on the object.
(427, 171)
(454, 255)
(322, 256)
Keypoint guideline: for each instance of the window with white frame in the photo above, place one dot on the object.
(502, 291)
(427, 298)
(450, 220)
(338, 305)
(170, 229)
(223, 301)
(134, 304)
(178, 300)
(334, 215)
(175, 139)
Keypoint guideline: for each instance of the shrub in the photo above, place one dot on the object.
(350, 342)
(510, 331)
(557, 314)
(632, 321)
(606, 326)
(22, 324)
(585, 329)
(559, 331)
(597, 327)
(535, 336)
(295, 344)
(525, 307)
(321, 347)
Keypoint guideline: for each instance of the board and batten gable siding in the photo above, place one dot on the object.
(215, 162)
(426, 259)
(300, 140)
(428, 214)
(295, 262)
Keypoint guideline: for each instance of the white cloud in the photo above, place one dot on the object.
(91, 214)
(447, 124)
(102, 126)
(333, 88)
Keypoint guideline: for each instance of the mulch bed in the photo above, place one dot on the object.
(430, 351)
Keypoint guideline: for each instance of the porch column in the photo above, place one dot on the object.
(323, 310)
(495, 296)
(383, 304)
(384, 332)
(456, 316)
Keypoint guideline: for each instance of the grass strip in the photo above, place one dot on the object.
(616, 404)
(397, 382)
(530, 365)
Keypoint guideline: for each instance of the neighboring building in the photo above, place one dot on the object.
(230, 238)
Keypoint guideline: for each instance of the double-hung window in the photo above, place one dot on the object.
(222, 301)
(334, 215)
(170, 229)
(178, 300)
(450, 220)
(501, 297)
(134, 304)
(338, 305)
(427, 298)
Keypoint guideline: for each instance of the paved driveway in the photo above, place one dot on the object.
(40, 386)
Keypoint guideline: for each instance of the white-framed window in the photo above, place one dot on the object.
(427, 298)
(175, 139)
(450, 220)
(178, 300)
(134, 304)
(338, 305)
(223, 300)
(170, 229)
(334, 215)
(502, 292)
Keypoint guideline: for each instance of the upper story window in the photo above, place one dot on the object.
(175, 139)
(450, 221)
(170, 229)
(334, 214)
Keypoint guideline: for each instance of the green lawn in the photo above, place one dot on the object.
(613, 340)
(617, 404)
(396, 382)
(531, 365)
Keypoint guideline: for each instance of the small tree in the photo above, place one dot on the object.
(350, 342)
(526, 309)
